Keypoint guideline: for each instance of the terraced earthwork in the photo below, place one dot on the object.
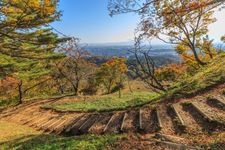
(198, 115)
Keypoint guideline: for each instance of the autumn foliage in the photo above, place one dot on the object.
(171, 72)
(111, 73)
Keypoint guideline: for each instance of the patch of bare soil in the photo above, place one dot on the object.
(130, 123)
(192, 126)
(148, 121)
(100, 124)
(115, 123)
(167, 124)
(211, 111)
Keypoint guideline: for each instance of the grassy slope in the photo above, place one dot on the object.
(23, 138)
(107, 102)
(7, 103)
(208, 76)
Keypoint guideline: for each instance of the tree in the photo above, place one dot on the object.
(171, 21)
(28, 74)
(144, 68)
(27, 44)
(140, 6)
(111, 74)
(23, 32)
(171, 72)
(74, 67)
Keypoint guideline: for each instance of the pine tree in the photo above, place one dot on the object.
(26, 42)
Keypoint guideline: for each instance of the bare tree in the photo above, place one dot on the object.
(74, 67)
(144, 67)
(171, 21)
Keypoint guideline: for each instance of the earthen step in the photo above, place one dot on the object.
(13, 111)
(140, 119)
(148, 122)
(53, 128)
(159, 121)
(66, 129)
(209, 123)
(176, 146)
(68, 124)
(88, 123)
(201, 121)
(75, 128)
(54, 123)
(98, 126)
(29, 110)
(169, 138)
(130, 121)
(164, 120)
(57, 129)
(191, 125)
(16, 118)
(44, 124)
(211, 114)
(40, 121)
(216, 101)
(114, 124)
(32, 118)
(179, 120)
(11, 117)
(123, 122)
(206, 116)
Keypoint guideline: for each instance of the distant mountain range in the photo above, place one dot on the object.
(162, 54)
(125, 50)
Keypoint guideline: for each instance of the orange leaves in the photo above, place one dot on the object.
(111, 73)
(8, 86)
(171, 72)
(118, 64)
(188, 6)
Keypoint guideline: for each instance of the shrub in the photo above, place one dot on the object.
(171, 72)
(117, 87)
(91, 87)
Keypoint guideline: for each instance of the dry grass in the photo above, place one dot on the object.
(10, 131)
(23, 138)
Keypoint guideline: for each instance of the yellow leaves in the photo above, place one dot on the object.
(117, 64)
(25, 14)
(6, 10)
(43, 7)
(182, 48)
(49, 6)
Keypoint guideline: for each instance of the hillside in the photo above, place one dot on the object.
(207, 77)
(194, 119)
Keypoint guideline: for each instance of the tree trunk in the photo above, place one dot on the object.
(196, 57)
(20, 92)
(119, 92)
(75, 89)
(129, 86)
(108, 90)
(61, 88)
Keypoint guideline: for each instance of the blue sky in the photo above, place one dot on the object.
(89, 21)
